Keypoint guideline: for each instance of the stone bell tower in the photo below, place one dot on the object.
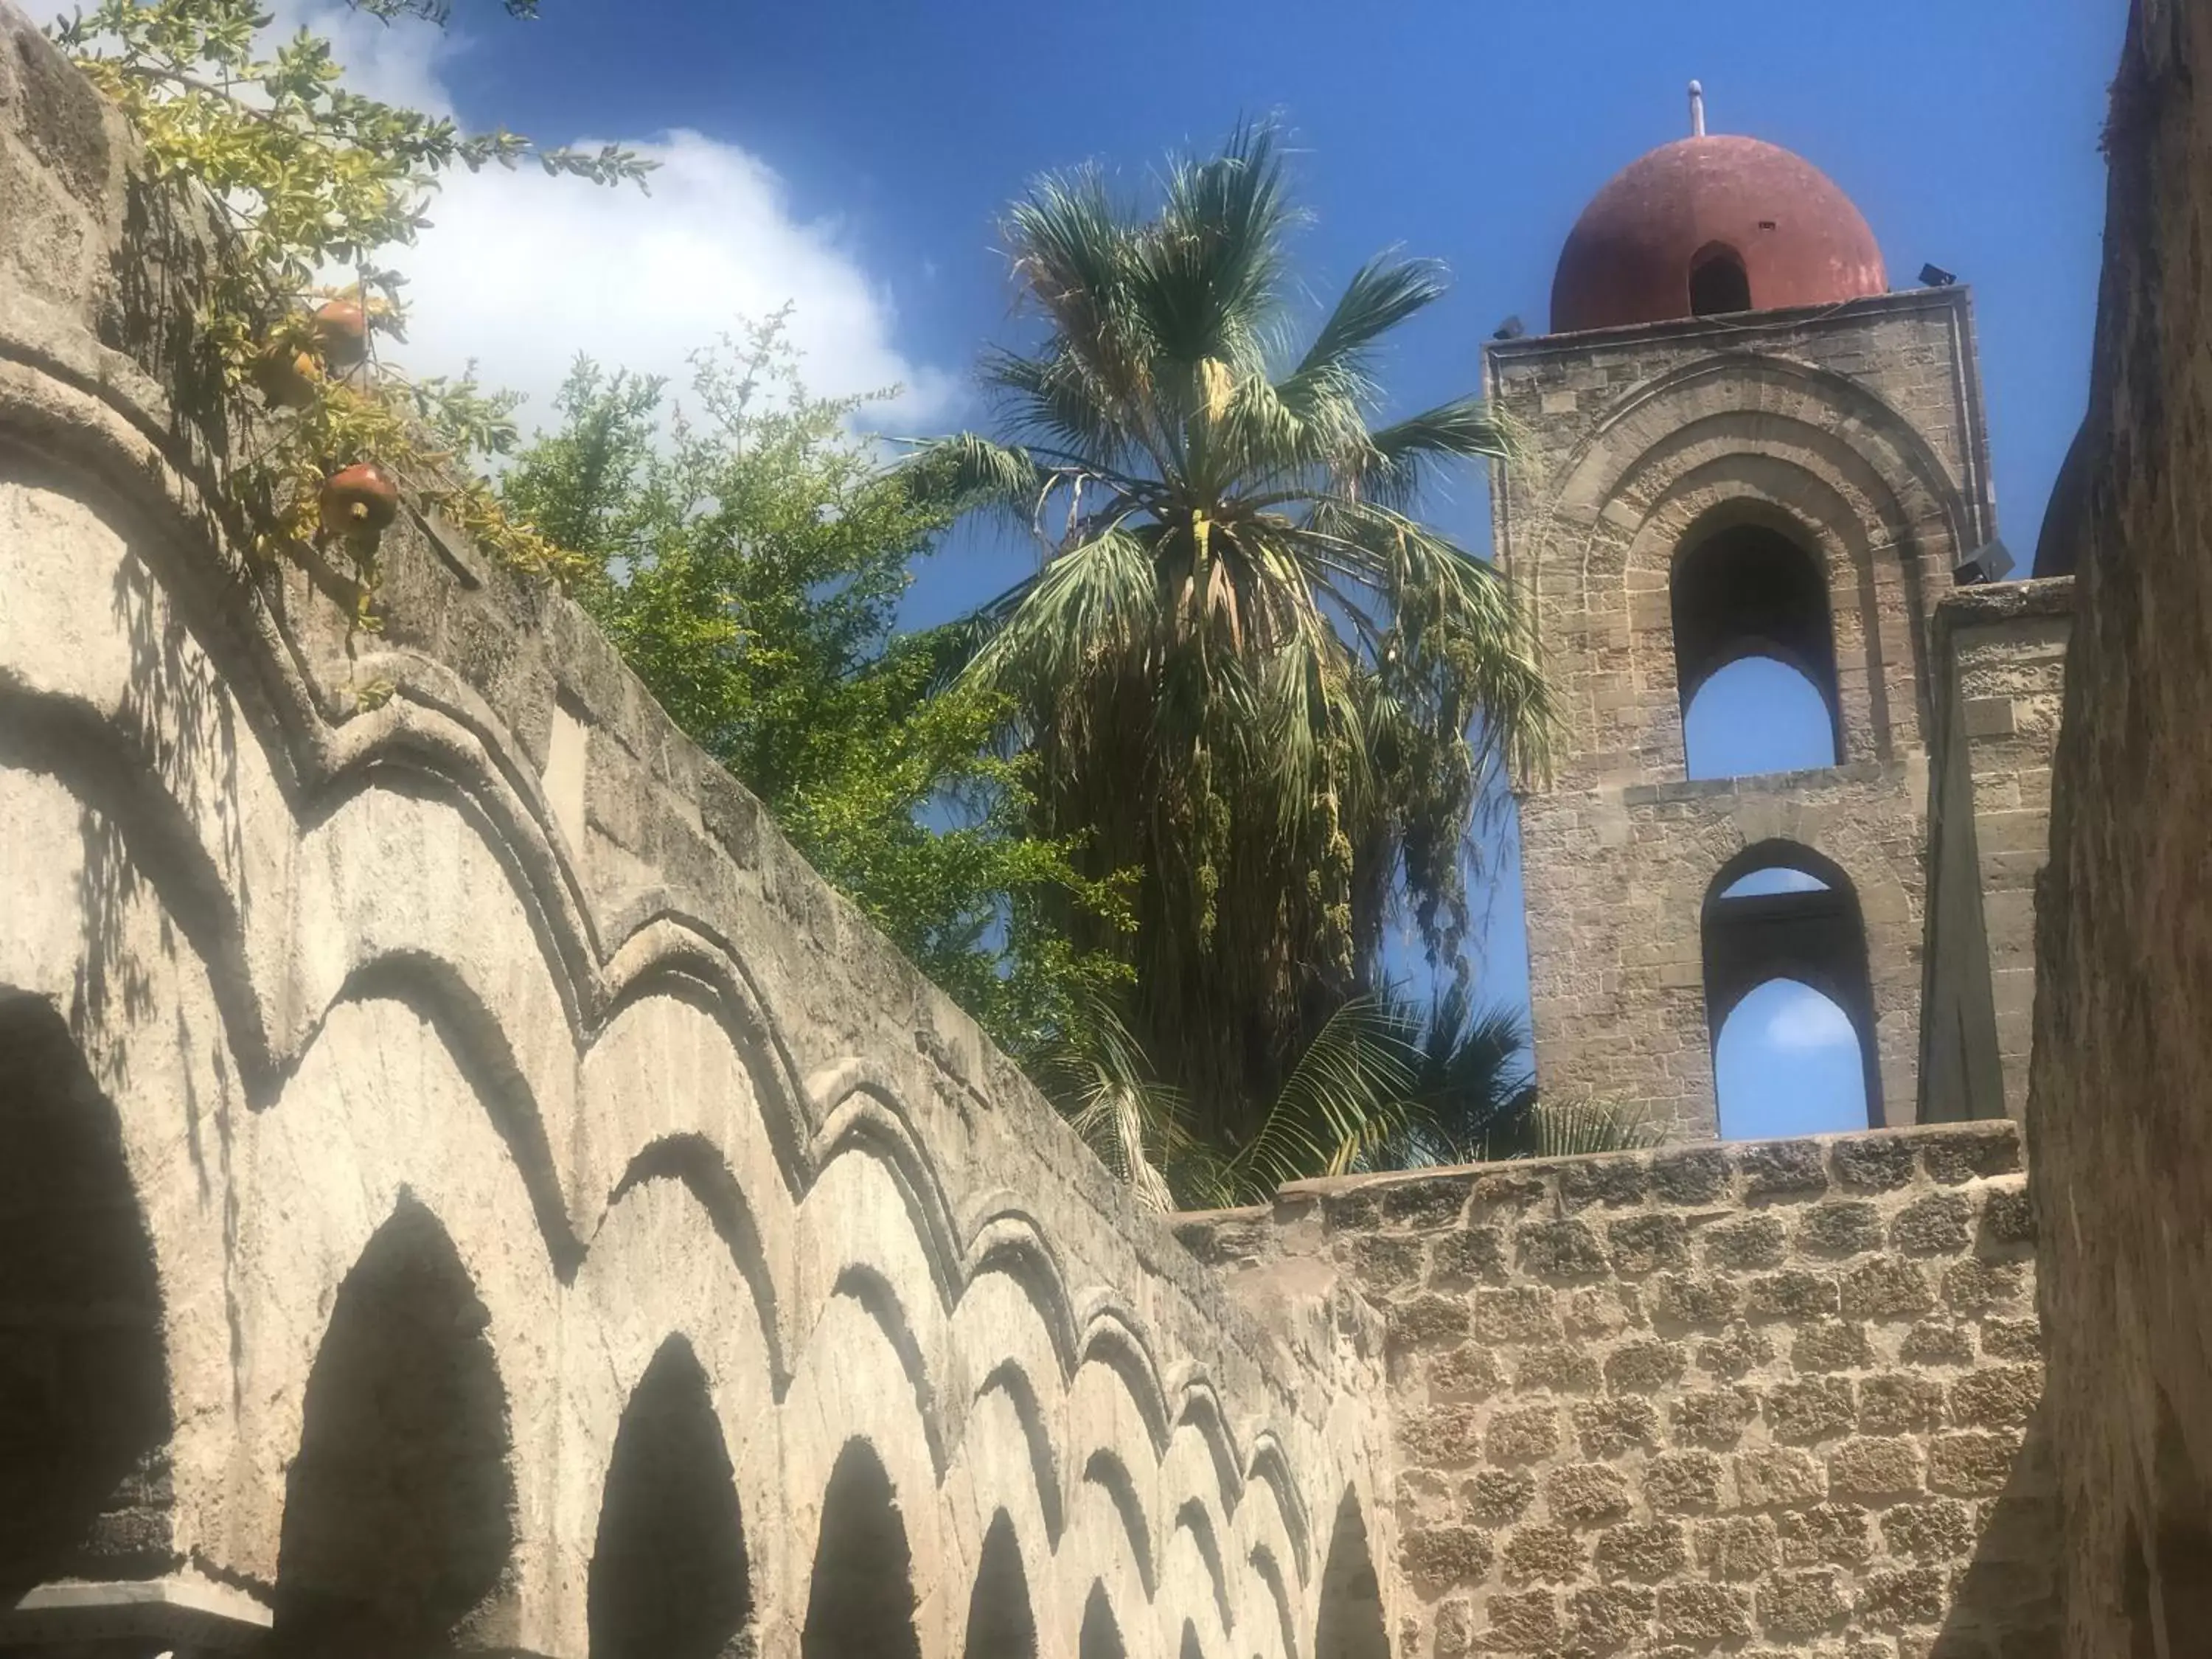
(1735, 441)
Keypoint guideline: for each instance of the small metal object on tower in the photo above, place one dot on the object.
(1697, 109)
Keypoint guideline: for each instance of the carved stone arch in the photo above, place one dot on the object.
(1772, 389)
(399, 1508)
(670, 1575)
(85, 1425)
(1100, 1636)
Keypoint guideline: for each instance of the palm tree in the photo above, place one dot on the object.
(1244, 669)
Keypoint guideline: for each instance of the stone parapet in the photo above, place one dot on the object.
(1764, 1396)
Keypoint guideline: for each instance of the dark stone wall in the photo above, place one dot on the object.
(2123, 1068)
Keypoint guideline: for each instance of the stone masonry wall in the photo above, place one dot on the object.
(2001, 668)
(1755, 1398)
(2117, 1101)
(1856, 431)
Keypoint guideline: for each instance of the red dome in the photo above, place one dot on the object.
(1761, 227)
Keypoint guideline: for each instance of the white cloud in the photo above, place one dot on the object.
(1809, 1020)
(521, 273)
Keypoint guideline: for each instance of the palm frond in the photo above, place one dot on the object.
(1347, 1097)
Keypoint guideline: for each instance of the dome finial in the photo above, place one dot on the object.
(1697, 109)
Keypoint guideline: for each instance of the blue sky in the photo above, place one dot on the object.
(851, 156)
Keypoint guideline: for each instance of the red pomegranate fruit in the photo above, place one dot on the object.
(359, 497)
(342, 334)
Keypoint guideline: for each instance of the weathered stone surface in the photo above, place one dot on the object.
(1778, 1477)
(1644, 1549)
(1843, 1227)
(1740, 1547)
(1815, 1408)
(1683, 1483)
(1875, 1465)
(1831, 1345)
(1545, 1553)
(1803, 1603)
(1939, 1225)
(1607, 1429)
(1585, 1494)
(1757, 1240)
(1939, 1529)
(1837, 1534)
(1702, 1614)
(1899, 1403)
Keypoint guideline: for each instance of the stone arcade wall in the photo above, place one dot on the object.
(462, 1177)
(2122, 1077)
(2000, 655)
(1759, 1398)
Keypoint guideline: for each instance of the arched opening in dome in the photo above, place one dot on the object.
(861, 1604)
(1719, 285)
(399, 1509)
(1754, 653)
(1351, 1626)
(84, 1393)
(1787, 998)
(669, 1577)
(1000, 1624)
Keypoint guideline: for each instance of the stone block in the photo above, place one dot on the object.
(2002, 1398)
(1473, 1256)
(1425, 1205)
(1825, 1533)
(1497, 1497)
(2011, 1338)
(1972, 1462)
(1802, 1602)
(1643, 1243)
(1568, 1248)
(1516, 1314)
(1872, 1163)
(1683, 1301)
(1382, 1265)
(1886, 1290)
(1936, 1342)
(1876, 1465)
(1779, 1478)
(1831, 1345)
(1438, 1559)
(1684, 1483)
(1972, 1287)
(1545, 1553)
(1740, 1547)
(1442, 1436)
(1741, 1351)
(1643, 1366)
(1793, 1293)
(1586, 1494)
(1427, 1323)
(1526, 1434)
(1648, 1550)
(1936, 1530)
(2008, 1216)
(1612, 1181)
(1561, 1367)
(1897, 1596)
(1957, 1155)
(1782, 1170)
(1899, 1402)
(1840, 1227)
(1941, 1224)
(1716, 1419)
(1606, 1620)
(1520, 1621)
(1748, 1241)
(1811, 1409)
(1697, 1176)
(1608, 1428)
(1465, 1373)
(1702, 1614)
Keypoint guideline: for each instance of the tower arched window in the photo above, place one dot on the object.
(1787, 998)
(1719, 285)
(1754, 653)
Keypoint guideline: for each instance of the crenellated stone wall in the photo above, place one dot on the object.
(1770, 1397)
